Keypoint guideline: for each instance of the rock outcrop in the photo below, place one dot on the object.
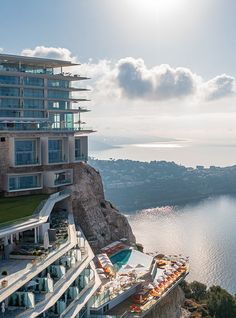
(98, 218)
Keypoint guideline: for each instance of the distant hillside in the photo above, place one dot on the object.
(133, 185)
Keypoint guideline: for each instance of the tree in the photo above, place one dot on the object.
(198, 290)
(220, 303)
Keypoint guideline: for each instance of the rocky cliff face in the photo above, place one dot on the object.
(103, 223)
(99, 220)
(170, 306)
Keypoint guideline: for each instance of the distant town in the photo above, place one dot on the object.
(133, 185)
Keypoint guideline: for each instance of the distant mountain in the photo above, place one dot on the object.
(134, 185)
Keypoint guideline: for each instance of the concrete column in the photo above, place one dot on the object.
(35, 235)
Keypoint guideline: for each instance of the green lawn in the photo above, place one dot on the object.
(12, 209)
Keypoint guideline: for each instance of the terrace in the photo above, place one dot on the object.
(17, 209)
(142, 280)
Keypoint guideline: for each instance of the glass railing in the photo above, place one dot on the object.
(24, 162)
(81, 158)
(62, 182)
(34, 127)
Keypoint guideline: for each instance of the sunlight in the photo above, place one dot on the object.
(161, 6)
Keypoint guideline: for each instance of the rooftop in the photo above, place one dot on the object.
(29, 60)
(13, 209)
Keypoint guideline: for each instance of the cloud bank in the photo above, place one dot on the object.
(131, 79)
(49, 52)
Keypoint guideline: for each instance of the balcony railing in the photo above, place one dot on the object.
(24, 127)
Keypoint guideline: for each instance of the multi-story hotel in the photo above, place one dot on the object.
(47, 268)
(41, 130)
(46, 264)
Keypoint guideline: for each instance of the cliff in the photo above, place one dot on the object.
(102, 223)
(170, 306)
(98, 218)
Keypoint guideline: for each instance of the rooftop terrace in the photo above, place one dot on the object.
(18, 208)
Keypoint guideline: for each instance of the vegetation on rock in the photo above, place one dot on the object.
(214, 302)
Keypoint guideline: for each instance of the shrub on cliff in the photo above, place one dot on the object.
(198, 290)
(220, 303)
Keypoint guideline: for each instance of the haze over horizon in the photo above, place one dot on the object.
(161, 70)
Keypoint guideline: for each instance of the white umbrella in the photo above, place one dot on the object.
(128, 266)
(32, 283)
(160, 279)
(150, 286)
(100, 270)
(102, 276)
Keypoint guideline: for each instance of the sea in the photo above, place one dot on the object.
(204, 231)
(184, 153)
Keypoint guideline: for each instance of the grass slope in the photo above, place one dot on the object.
(12, 209)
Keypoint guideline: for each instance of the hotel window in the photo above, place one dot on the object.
(55, 151)
(33, 114)
(9, 103)
(34, 103)
(58, 94)
(26, 152)
(9, 113)
(33, 81)
(58, 83)
(24, 182)
(9, 91)
(31, 92)
(62, 178)
(58, 104)
(77, 149)
(9, 80)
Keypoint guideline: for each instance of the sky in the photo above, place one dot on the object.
(162, 70)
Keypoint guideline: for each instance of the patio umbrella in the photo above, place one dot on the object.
(100, 270)
(150, 286)
(31, 283)
(160, 279)
(128, 266)
(102, 276)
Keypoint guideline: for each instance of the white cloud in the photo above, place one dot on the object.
(131, 79)
(219, 87)
(50, 52)
(158, 83)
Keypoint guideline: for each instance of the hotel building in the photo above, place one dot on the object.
(47, 267)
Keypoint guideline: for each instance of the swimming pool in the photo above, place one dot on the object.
(121, 258)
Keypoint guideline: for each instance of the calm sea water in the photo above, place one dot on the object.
(183, 153)
(205, 231)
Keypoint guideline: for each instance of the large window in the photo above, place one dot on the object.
(9, 103)
(24, 182)
(33, 114)
(58, 94)
(9, 91)
(77, 149)
(58, 83)
(58, 104)
(34, 103)
(26, 152)
(33, 81)
(31, 92)
(55, 151)
(9, 113)
(62, 178)
(9, 80)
